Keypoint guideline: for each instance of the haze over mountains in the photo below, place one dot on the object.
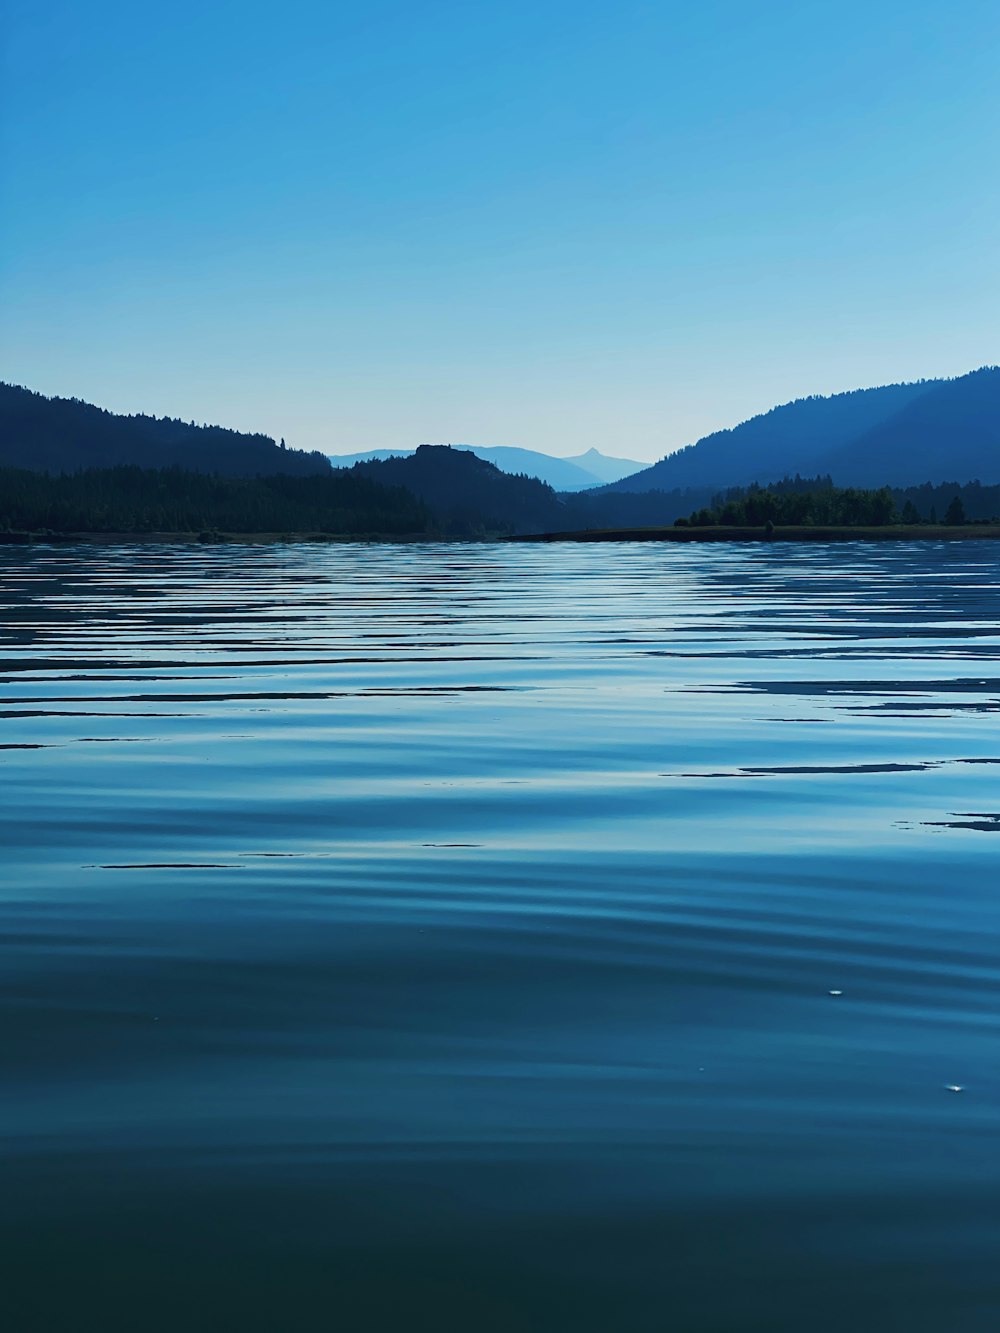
(562, 474)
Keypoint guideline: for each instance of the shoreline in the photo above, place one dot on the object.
(890, 532)
(207, 539)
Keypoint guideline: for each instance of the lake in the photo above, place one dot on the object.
(494, 937)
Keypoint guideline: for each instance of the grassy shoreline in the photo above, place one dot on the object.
(890, 532)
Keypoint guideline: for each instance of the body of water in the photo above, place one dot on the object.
(500, 938)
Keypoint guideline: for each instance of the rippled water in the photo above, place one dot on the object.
(500, 938)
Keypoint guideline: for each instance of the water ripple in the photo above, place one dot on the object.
(508, 1005)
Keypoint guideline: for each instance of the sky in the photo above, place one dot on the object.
(551, 225)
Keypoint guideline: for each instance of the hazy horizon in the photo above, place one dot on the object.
(554, 452)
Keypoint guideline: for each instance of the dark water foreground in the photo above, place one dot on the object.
(500, 938)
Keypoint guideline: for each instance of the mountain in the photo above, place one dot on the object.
(65, 435)
(469, 496)
(796, 437)
(951, 432)
(896, 435)
(900, 435)
(562, 474)
(603, 466)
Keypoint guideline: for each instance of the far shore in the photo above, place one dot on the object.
(891, 532)
(913, 532)
(204, 538)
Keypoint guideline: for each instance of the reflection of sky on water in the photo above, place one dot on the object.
(369, 917)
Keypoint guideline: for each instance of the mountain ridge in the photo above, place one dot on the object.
(68, 435)
(468, 494)
(862, 437)
(919, 433)
(951, 431)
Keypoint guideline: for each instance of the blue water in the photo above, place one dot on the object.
(502, 938)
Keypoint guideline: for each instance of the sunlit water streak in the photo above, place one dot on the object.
(500, 937)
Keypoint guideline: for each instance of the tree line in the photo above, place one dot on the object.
(138, 500)
(440, 492)
(817, 502)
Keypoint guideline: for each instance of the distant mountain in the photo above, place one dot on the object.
(796, 437)
(468, 495)
(562, 474)
(897, 435)
(66, 435)
(603, 466)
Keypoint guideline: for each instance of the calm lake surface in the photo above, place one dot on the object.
(500, 938)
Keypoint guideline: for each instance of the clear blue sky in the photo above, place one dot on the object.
(544, 224)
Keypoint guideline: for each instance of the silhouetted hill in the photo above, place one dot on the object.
(65, 435)
(896, 435)
(469, 496)
(562, 474)
(796, 437)
(949, 432)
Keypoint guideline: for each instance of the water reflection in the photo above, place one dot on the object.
(376, 953)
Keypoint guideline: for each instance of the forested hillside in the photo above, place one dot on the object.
(131, 499)
(65, 435)
(163, 475)
(898, 435)
(950, 432)
(469, 496)
(795, 437)
(816, 502)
